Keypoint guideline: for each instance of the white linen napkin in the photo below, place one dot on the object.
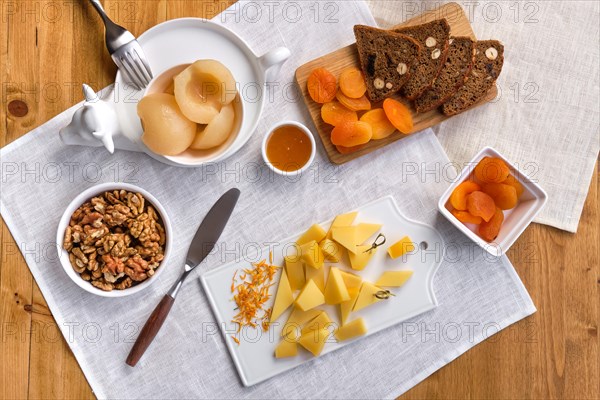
(478, 295)
(546, 118)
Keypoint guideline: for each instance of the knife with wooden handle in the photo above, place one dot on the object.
(202, 244)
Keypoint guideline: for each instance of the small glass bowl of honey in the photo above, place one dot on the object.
(289, 148)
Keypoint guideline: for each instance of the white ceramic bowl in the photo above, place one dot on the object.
(183, 41)
(87, 195)
(516, 220)
(308, 134)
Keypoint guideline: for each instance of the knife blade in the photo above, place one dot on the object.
(202, 244)
(211, 228)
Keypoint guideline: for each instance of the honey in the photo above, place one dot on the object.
(288, 148)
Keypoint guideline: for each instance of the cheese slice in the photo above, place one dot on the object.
(331, 250)
(335, 290)
(295, 272)
(366, 296)
(312, 254)
(319, 322)
(284, 298)
(365, 231)
(351, 280)
(393, 278)
(351, 330)
(403, 246)
(286, 349)
(314, 341)
(346, 236)
(315, 232)
(361, 258)
(296, 321)
(310, 297)
(342, 220)
(346, 306)
(317, 275)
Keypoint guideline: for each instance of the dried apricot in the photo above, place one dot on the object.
(505, 196)
(360, 104)
(335, 114)
(322, 85)
(464, 216)
(458, 198)
(352, 83)
(380, 124)
(489, 230)
(481, 205)
(399, 115)
(348, 150)
(512, 181)
(491, 170)
(351, 134)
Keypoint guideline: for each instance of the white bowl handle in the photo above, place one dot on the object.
(272, 61)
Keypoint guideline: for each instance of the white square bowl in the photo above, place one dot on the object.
(516, 219)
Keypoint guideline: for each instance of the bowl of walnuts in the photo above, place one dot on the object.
(113, 239)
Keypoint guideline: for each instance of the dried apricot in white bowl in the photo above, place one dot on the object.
(203, 88)
(166, 130)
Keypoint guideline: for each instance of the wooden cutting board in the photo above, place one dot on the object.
(347, 57)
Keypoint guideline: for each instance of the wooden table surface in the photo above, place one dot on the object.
(44, 45)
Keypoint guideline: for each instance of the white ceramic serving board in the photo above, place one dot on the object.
(254, 357)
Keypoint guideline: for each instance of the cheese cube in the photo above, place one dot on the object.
(319, 322)
(342, 220)
(346, 236)
(296, 321)
(351, 330)
(315, 233)
(346, 306)
(403, 246)
(286, 349)
(310, 297)
(366, 296)
(317, 275)
(284, 297)
(365, 231)
(361, 258)
(393, 278)
(295, 272)
(314, 341)
(335, 290)
(312, 254)
(331, 250)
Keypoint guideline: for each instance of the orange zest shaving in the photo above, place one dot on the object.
(236, 340)
(251, 292)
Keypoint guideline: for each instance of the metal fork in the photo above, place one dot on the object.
(125, 51)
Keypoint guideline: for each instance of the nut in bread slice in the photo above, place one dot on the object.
(489, 58)
(386, 58)
(457, 67)
(433, 37)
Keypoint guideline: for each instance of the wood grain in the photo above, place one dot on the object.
(347, 57)
(552, 354)
(151, 327)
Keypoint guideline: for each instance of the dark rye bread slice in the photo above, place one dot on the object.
(452, 76)
(489, 58)
(433, 38)
(386, 58)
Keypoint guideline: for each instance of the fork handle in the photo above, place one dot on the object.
(98, 6)
(116, 35)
